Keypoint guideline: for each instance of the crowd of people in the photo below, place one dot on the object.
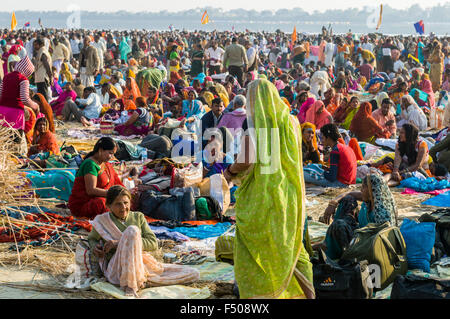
(329, 96)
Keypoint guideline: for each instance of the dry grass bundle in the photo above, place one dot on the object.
(15, 193)
(52, 261)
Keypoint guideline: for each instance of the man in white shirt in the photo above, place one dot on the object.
(252, 56)
(75, 45)
(101, 49)
(115, 82)
(366, 45)
(215, 56)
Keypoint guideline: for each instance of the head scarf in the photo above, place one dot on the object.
(65, 71)
(47, 110)
(307, 125)
(25, 66)
(318, 119)
(272, 260)
(363, 124)
(380, 97)
(304, 108)
(383, 205)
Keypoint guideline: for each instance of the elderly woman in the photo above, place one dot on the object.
(412, 114)
(377, 206)
(122, 242)
(94, 177)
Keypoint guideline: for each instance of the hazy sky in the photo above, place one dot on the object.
(178, 5)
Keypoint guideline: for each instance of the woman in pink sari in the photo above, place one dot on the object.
(427, 87)
(318, 115)
(122, 242)
(59, 103)
(304, 108)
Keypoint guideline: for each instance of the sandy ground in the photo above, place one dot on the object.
(31, 282)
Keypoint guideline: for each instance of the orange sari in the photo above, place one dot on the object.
(47, 110)
(46, 143)
(129, 96)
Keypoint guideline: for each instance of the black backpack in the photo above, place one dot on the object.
(168, 207)
(343, 280)
(416, 287)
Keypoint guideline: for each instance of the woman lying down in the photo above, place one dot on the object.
(122, 240)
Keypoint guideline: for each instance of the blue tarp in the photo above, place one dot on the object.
(203, 231)
(442, 200)
(427, 185)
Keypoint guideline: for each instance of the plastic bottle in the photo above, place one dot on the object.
(144, 156)
(129, 183)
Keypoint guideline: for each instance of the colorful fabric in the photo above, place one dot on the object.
(203, 231)
(383, 205)
(427, 185)
(44, 230)
(61, 181)
(46, 109)
(270, 260)
(46, 142)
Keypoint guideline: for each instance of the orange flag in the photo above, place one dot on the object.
(13, 21)
(294, 35)
(205, 18)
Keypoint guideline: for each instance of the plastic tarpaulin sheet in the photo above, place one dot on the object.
(167, 292)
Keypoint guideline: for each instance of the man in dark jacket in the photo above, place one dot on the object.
(213, 117)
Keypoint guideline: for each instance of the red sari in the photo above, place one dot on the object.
(83, 205)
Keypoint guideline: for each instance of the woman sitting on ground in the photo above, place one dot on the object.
(94, 177)
(377, 206)
(365, 127)
(411, 155)
(67, 94)
(310, 148)
(353, 108)
(45, 109)
(318, 115)
(43, 139)
(139, 122)
(130, 94)
(122, 240)
(342, 171)
(412, 114)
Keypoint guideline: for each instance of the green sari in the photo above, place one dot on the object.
(270, 259)
(348, 120)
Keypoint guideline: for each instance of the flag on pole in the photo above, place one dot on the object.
(13, 21)
(205, 18)
(420, 27)
(27, 24)
(381, 17)
(40, 23)
(294, 36)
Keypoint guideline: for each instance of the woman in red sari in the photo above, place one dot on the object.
(94, 177)
(130, 94)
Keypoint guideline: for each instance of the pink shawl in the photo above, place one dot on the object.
(318, 119)
(304, 108)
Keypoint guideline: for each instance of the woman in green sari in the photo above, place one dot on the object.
(352, 109)
(198, 58)
(270, 258)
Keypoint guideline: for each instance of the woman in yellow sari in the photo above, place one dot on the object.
(270, 258)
